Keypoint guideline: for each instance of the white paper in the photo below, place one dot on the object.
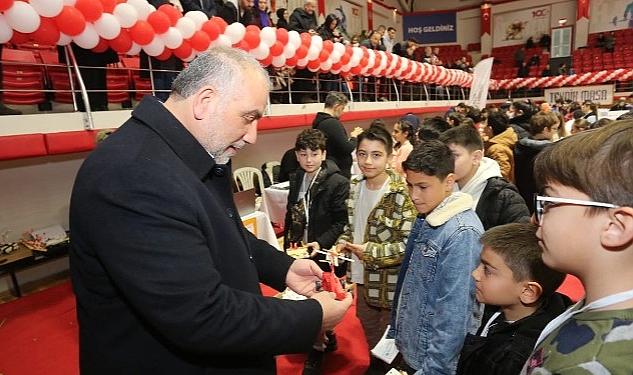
(393, 371)
(386, 349)
(51, 235)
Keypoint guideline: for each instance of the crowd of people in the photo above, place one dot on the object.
(461, 226)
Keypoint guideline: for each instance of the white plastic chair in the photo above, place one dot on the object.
(245, 179)
(269, 168)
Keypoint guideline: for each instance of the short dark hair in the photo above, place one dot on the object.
(376, 133)
(409, 128)
(390, 28)
(517, 244)
(600, 123)
(595, 162)
(312, 139)
(335, 98)
(593, 106)
(433, 158)
(378, 123)
(432, 128)
(474, 114)
(498, 122)
(463, 135)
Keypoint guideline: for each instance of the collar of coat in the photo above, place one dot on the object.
(394, 182)
(452, 205)
(153, 114)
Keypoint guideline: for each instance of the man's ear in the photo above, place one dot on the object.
(617, 233)
(531, 293)
(477, 155)
(204, 102)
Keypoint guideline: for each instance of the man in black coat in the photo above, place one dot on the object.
(339, 146)
(303, 20)
(165, 274)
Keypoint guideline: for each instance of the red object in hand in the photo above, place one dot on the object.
(331, 283)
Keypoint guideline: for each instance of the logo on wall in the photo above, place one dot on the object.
(431, 28)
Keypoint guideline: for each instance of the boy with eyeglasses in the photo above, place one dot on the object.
(585, 217)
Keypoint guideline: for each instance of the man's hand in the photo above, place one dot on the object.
(357, 130)
(312, 246)
(333, 310)
(302, 275)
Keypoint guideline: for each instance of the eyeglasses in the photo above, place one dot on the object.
(541, 203)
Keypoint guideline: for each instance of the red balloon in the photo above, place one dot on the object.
(252, 29)
(314, 64)
(242, 45)
(122, 43)
(142, 32)
(212, 29)
(345, 58)
(363, 62)
(108, 5)
(337, 66)
(200, 41)
(282, 36)
(159, 21)
(267, 61)
(276, 49)
(5, 4)
(19, 38)
(91, 9)
(365, 52)
(102, 46)
(183, 51)
(47, 33)
(221, 23)
(301, 52)
(171, 12)
(165, 55)
(292, 61)
(252, 38)
(324, 55)
(355, 70)
(70, 21)
(328, 46)
(306, 39)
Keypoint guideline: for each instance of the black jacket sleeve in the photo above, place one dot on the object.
(514, 209)
(156, 255)
(338, 210)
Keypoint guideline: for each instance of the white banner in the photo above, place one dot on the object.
(607, 15)
(599, 94)
(513, 28)
(481, 82)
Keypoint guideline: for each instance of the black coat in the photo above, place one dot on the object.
(301, 21)
(525, 152)
(328, 211)
(339, 146)
(501, 203)
(507, 346)
(165, 274)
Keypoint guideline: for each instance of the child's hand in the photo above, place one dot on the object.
(312, 246)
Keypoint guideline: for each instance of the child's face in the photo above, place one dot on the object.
(494, 281)
(427, 192)
(466, 162)
(310, 160)
(372, 157)
(566, 233)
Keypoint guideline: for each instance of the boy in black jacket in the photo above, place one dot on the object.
(519, 293)
(495, 200)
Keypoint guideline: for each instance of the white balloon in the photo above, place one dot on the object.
(191, 56)
(223, 41)
(64, 39)
(289, 51)
(303, 62)
(279, 61)
(335, 57)
(294, 38)
(314, 70)
(141, 8)
(134, 50)
(316, 41)
(198, 17)
(339, 48)
(47, 8)
(152, 8)
(88, 38)
(107, 26)
(235, 32)
(70, 2)
(155, 47)
(22, 17)
(125, 14)
(268, 36)
(326, 65)
(261, 52)
(172, 38)
(313, 52)
(187, 27)
(335, 71)
(6, 32)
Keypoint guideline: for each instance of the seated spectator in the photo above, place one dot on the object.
(621, 105)
(563, 69)
(389, 39)
(501, 142)
(303, 20)
(609, 42)
(547, 71)
(495, 200)
(521, 299)
(545, 41)
(261, 18)
(282, 19)
(247, 12)
(529, 43)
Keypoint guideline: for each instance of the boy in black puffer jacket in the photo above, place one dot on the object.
(519, 293)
